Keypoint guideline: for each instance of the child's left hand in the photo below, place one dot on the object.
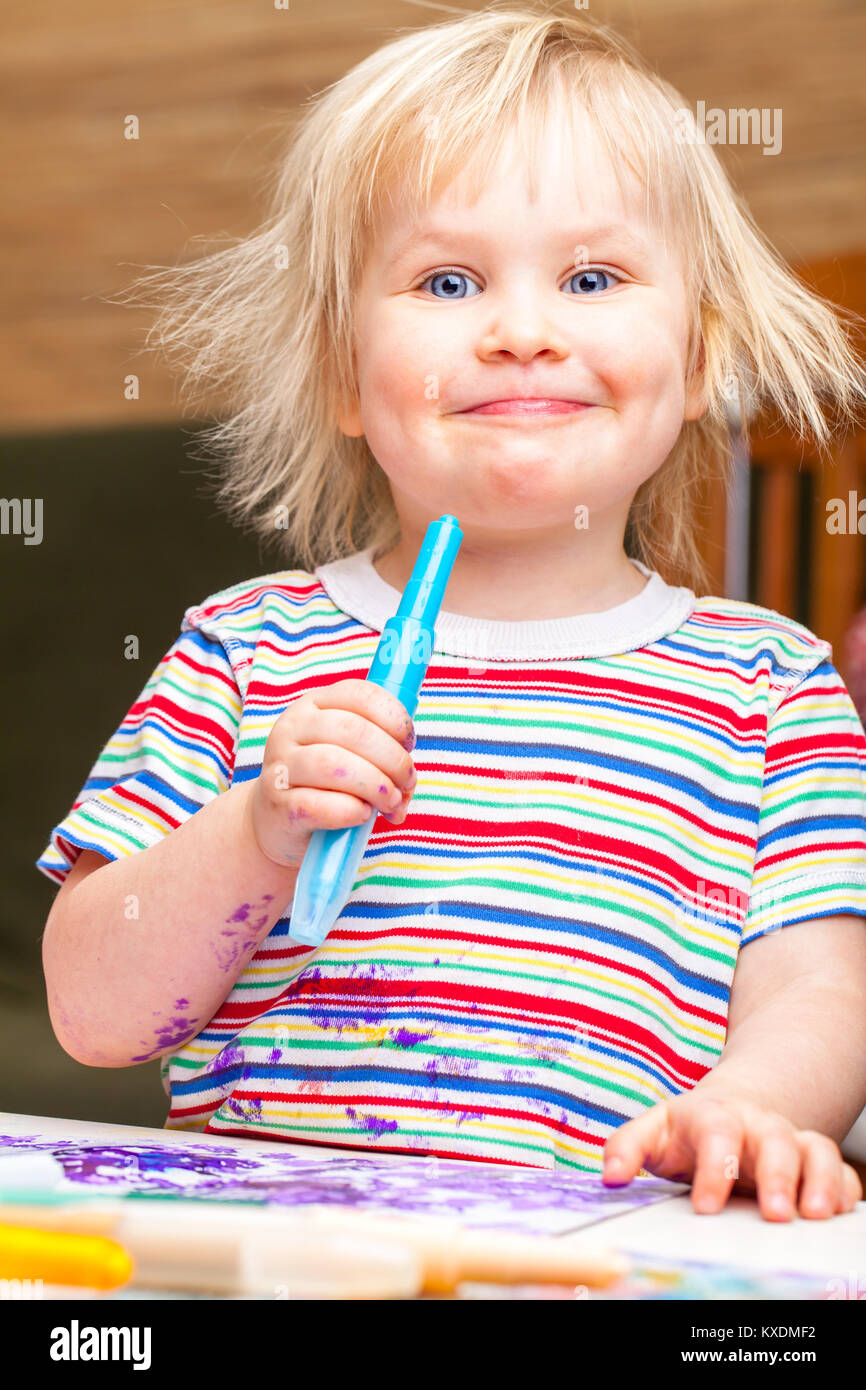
(722, 1142)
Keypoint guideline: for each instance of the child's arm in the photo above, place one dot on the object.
(140, 953)
(796, 1038)
(791, 1080)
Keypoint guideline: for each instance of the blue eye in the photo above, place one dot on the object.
(450, 284)
(454, 284)
(589, 280)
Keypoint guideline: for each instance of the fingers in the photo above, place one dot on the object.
(633, 1145)
(716, 1134)
(724, 1143)
(332, 759)
(336, 768)
(358, 731)
(745, 1146)
(397, 817)
(776, 1168)
(821, 1194)
(829, 1186)
(370, 700)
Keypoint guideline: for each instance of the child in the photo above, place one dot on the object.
(611, 786)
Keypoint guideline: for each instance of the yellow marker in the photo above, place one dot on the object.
(60, 1258)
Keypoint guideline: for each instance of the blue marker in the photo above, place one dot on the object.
(330, 865)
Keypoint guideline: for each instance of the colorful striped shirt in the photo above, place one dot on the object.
(608, 808)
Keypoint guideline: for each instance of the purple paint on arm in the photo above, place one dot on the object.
(233, 942)
(175, 1033)
(242, 913)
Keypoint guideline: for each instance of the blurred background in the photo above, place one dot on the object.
(130, 538)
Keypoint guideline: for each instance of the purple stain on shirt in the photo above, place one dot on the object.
(321, 1019)
(249, 1109)
(373, 1014)
(449, 1065)
(403, 1038)
(228, 1057)
(459, 1066)
(371, 1124)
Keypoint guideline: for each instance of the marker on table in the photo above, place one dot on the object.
(61, 1257)
(319, 1251)
(330, 864)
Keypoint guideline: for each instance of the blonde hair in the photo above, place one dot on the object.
(267, 321)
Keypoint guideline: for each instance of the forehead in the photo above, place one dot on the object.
(555, 179)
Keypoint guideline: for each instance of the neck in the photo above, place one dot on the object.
(503, 586)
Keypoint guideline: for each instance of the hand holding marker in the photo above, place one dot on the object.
(331, 860)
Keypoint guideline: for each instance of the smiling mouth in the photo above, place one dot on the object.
(527, 406)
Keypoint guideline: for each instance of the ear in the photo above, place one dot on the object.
(696, 399)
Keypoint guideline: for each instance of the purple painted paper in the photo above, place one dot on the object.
(538, 1200)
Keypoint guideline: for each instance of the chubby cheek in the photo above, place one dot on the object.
(405, 385)
(393, 374)
(643, 376)
(416, 360)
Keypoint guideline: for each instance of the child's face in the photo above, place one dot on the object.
(520, 322)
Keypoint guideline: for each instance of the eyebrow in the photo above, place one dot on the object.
(611, 232)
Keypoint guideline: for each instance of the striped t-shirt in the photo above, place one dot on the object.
(608, 807)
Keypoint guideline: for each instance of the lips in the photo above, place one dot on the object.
(527, 406)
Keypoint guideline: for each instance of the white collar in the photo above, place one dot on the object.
(358, 589)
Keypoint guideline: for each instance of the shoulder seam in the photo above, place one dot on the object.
(799, 676)
(237, 658)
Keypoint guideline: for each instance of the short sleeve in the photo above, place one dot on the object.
(172, 753)
(810, 857)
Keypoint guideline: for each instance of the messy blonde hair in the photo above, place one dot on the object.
(268, 320)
